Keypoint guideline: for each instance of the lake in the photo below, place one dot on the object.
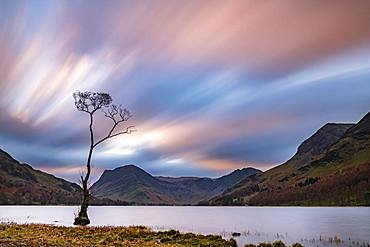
(313, 226)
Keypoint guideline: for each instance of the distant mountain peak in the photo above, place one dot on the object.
(129, 167)
(125, 169)
(239, 171)
(124, 172)
(321, 140)
(3, 153)
(133, 184)
(361, 128)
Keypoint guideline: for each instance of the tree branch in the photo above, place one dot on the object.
(128, 130)
(109, 115)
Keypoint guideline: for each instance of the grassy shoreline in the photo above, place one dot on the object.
(12, 234)
(133, 236)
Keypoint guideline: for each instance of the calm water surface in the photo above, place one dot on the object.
(312, 226)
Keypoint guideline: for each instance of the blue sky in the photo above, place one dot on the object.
(213, 85)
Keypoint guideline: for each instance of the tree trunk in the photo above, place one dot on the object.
(83, 218)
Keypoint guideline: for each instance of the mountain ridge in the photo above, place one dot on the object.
(330, 168)
(21, 184)
(317, 143)
(337, 175)
(133, 184)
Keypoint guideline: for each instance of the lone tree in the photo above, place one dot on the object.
(90, 103)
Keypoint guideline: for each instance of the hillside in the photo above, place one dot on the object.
(134, 185)
(21, 184)
(319, 143)
(332, 167)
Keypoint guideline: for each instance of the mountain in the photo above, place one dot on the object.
(132, 184)
(319, 142)
(21, 184)
(332, 167)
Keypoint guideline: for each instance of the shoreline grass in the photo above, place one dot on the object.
(133, 236)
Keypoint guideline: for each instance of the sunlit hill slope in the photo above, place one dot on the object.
(332, 167)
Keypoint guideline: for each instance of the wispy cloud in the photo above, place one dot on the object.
(213, 85)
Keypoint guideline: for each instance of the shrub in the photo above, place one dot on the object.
(264, 245)
(172, 232)
(165, 239)
(233, 243)
(297, 245)
(249, 245)
(278, 243)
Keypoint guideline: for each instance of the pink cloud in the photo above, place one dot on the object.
(261, 35)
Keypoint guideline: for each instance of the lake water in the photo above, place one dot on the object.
(317, 226)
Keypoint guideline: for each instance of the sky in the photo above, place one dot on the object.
(212, 85)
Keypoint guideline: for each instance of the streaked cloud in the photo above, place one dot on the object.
(213, 85)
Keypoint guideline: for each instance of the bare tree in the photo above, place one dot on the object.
(90, 103)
